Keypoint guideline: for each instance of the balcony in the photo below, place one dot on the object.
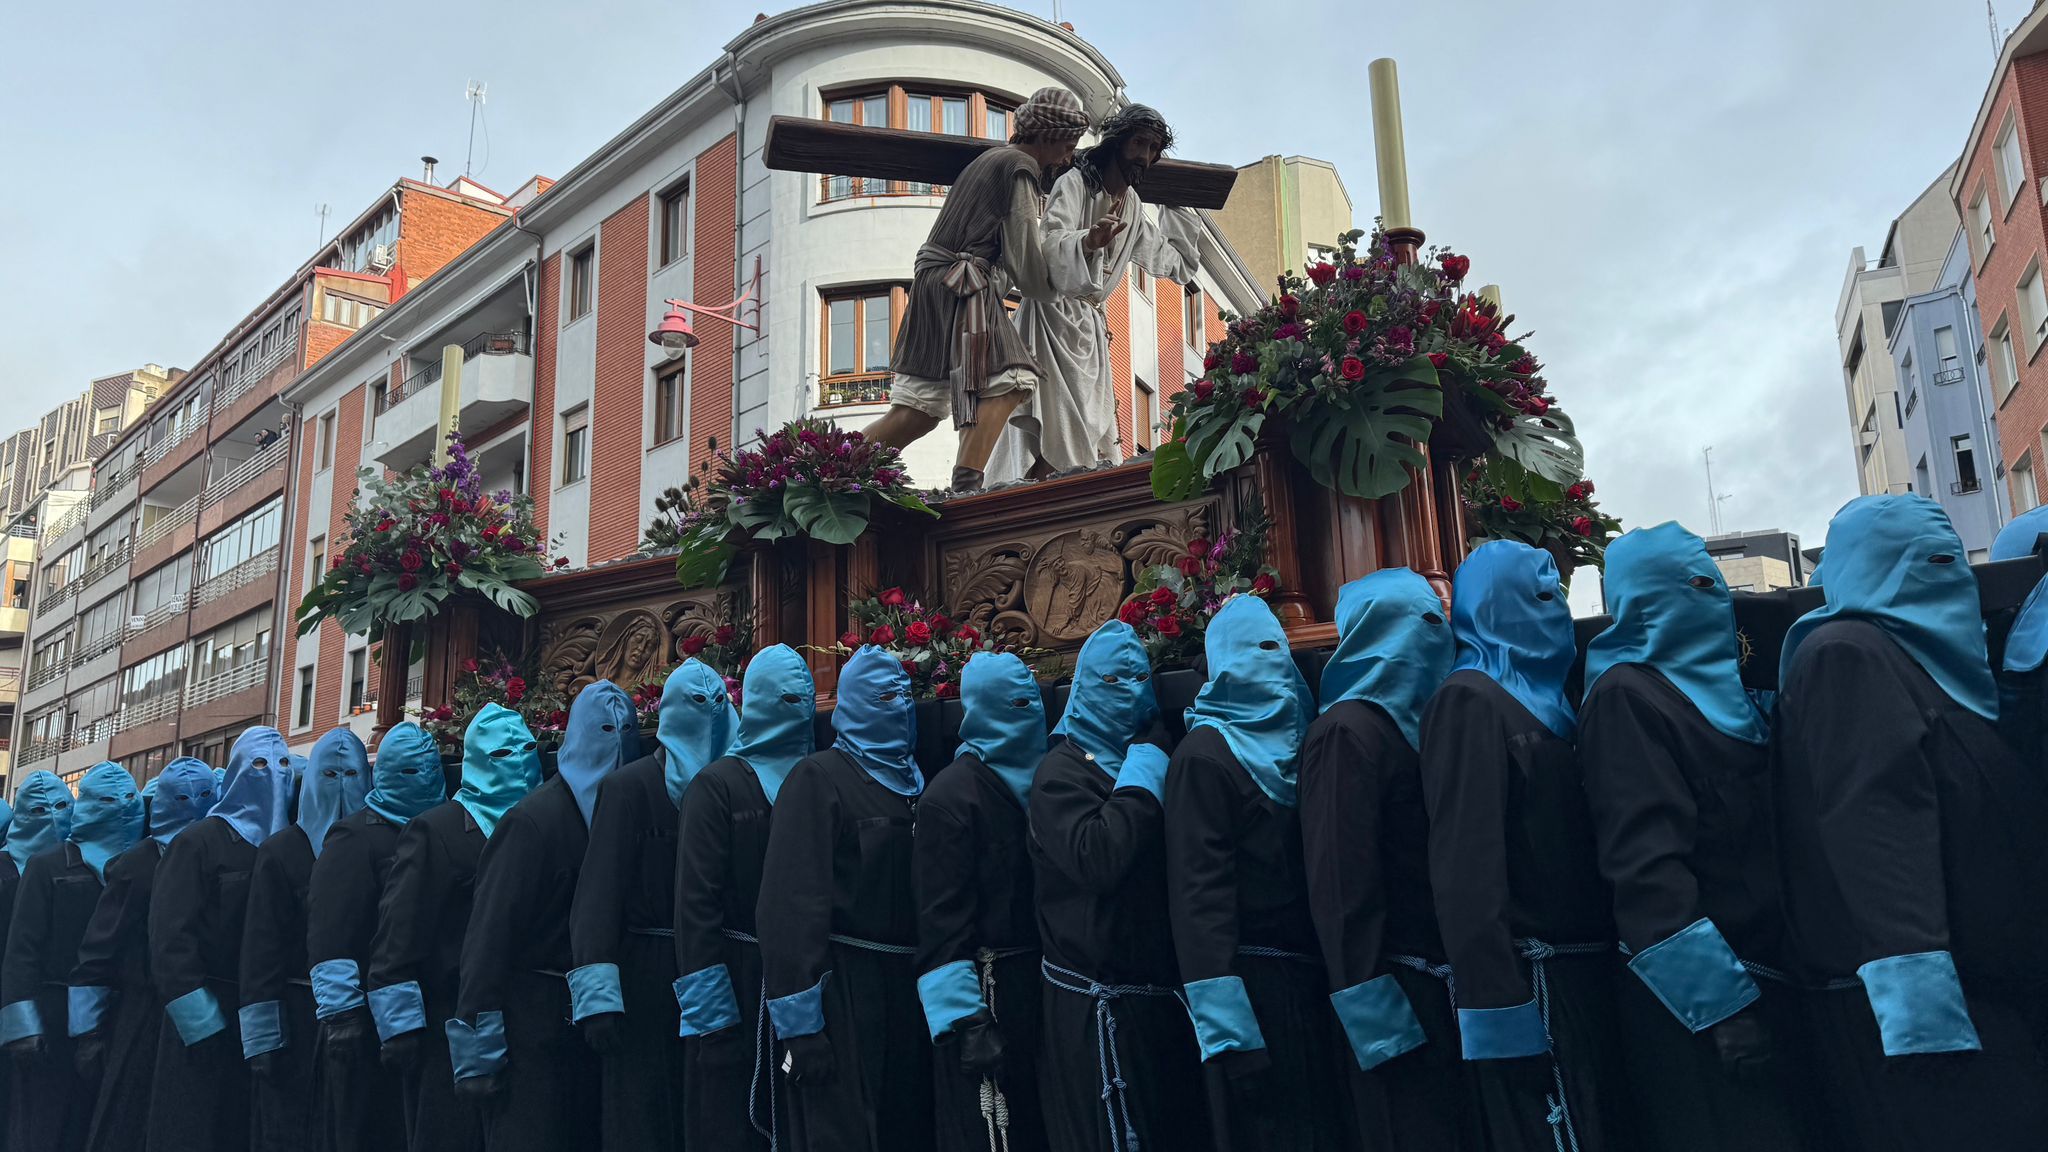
(162, 448)
(106, 563)
(162, 527)
(95, 648)
(1965, 487)
(497, 382)
(160, 707)
(225, 397)
(225, 486)
(24, 530)
(38, 677)
(35, 750)
(86, 735)
(108, 487)
(224, 684)
(1949, 376)
(10, 688)
(240, 576)
(68, 522)
(177, 607)
(54, 597)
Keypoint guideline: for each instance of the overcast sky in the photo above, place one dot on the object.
(1667, 193)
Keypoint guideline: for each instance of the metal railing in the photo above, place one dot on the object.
(34, 750)
(226, 397)
(429, 374)
(1965, 487)
(247, 572)
(414, 684)
(859, 388)
(87, 735)
(225, 684)
(10, 679)
(247, 470)
(159, 707)
(108, 487)
(1949, 376)
(67, 521)
(52, 597)
(168, 523)
(25, 530)
(48, 672)
(177, 607)
(95, 648)
(162, 448)
(106, 563)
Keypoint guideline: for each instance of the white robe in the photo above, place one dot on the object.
(1070, 420)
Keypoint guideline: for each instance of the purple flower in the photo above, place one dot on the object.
(1288, 331)
(1353, 272)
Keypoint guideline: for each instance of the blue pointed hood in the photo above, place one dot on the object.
(107, 820)
(42, 817)
(1005, 721)
(407, 778)
(500, 765)
(1512, 623)
(1896, 562)
(1394, 647)
(185, 791)
(602, 736)
(256, 800)
(2026, 646)
(697, 724)
(778, 701)
(1255, 696)
(1111, 702)
(1673, 612)
(876, 721)
(337, 782)
(6, 818)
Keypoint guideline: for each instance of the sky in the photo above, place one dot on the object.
(1667, 193)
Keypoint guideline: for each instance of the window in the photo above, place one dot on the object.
(1144, 414)
(101, 625)
(2005, 366)
(860, 330)
(1142, 281)
(575, 444)
(1869, 430)
(239, 542)
(996, 124)
(582, 281)
(160, 675)
(50, 657)
(675, 221)
(1193, 323)
(323, 442)
(951, 113)
(1965, 454)
(163, 588)
(304, 713)
(336, 308)
(2012, 174)
(240, 642)
(358, 679)
(109, 420)
(316, 561)
(668, 401)
(1945, 350)
(2025, 497)
(1912, 375)
(1982, 233)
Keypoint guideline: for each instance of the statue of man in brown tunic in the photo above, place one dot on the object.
(957, 352)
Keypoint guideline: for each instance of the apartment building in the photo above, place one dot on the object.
(1760, 561)
(1285, 212)
(562, 393)
(150, 634)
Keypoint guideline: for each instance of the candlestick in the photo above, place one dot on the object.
(1388, 149)
(1490, 294)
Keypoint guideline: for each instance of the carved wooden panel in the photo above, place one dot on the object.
(629, 645)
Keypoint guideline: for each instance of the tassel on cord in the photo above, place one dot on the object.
(995, 1109)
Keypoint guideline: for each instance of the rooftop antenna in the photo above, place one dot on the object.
(475, 95)
(321, 211)
(1996, 45)
(1713, 499)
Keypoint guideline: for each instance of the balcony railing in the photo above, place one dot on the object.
(1965, 487)
(108, 487)
(96, 732)
(159, 707)
(162, 448)
(226, 397)
(66, 522)
(10, 679)
(1949, 376)
(52, 597)
(25, 529)
(413, 686)
(95, 648)
(484, 344)
(247, 470)
(38, 677)
(178, 606)
(861, 388)
(224, 684)
(247, 572)
(34, 750)
(169, 522)
(106, 563)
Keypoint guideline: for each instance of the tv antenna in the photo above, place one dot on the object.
(1992, 13)
(321, 211)
(474, 93)
(1713, 498)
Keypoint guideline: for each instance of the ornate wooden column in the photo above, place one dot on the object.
(1273, 466)
(394, 664)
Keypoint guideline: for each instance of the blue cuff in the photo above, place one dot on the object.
(705, 1001)
(1695, 973)
(262, 1028)
(337, 988)
(477, 1049)
(2026, 646)
(398, 1009)
(196, 1015)
(1223, 1016)
(802, 1014)
(1503, 1033)
(594, 990)
(20, 1020)
(1144, 767)
(950, 993)
(88, 1006)
(1378, 1021)
(1918, 1002)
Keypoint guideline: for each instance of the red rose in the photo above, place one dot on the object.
(1526, 366)
(1198, 547)
(1587, 485)
(469, 665)
(724, 635)
(386, 524)
(910, 668)
(1577, 491)
(454, 569)
(1168, 626)
(1353, 369)
(1510, 504)
(967, 636)
(1429, 312)
(561, 561)
(919, 632)
(1290, 307)
(1536, 406)
(946, 689)
(1243, 363)
(1495, 341)
(1132, 612)
(1263, 583)
(1583, 526)
(444, 712)
(882, 635)
(1210, 362)
(515, 690)
(1354, 322)
(692, 645)
(1189, 565)
(1204, 389)
(849, 639)
(491, 533)
(1455, 267)
(941, 624)
(407, 582)
(1255, 398)
(558, 718)
(894, 598)
(446, 495)
(1438, 359)
(1321, 273)
(1161, 597)
(411, 561)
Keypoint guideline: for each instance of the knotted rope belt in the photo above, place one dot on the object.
(1122, 1136)
(970, 278)
(995, 1107)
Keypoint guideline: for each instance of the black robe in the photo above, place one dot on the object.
(839, 864)
(114, 955)
(1512, 860)
(1098, 855)
(421, 923)
(357, 1107)
(1365, 846)
(10, 883)
(1237, 894)
(975, 904)
(199, 1099)
(624, 914)
(516, 960)
(733, 1098)
(1908, 827)
(1683, 816)
(51, 1106)
(274, 968)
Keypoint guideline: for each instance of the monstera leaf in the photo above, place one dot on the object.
(1546, 445)
(702, 559)
(500, 593)
(1363, 442)
(1174, 477)
(834, 517)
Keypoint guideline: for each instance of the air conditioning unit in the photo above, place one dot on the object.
(382, 257)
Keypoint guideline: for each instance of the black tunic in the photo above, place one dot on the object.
(51, 1107)
(114, 955)
(275, 969)
(1908, 827)
(1365, 846)
(839, 865)
(356, 1110)
(515, 961)
(1683, 816)
(975, 904)
(1098, 855)
(10, 883)
(732, 1098)
(624, 914)
(1512, 860)
(420, 928)
(199, 1099)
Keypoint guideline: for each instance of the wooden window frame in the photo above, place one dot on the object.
(899, 298)
(579, 296)
(575, 420)
(1144, 414)
(679, 238)
(896, 96)
(673, 409)
(1194, 320)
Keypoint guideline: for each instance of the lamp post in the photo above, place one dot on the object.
(674, 332)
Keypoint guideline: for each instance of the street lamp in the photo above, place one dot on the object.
(674, 332)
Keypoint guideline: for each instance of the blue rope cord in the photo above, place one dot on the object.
(872, 945)
(1277, 954)
(1115, 1104)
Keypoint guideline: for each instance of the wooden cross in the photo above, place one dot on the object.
(803, 144)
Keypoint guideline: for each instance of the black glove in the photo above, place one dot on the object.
(344, 1034)
(89, 1055)
(401, 1053)
(1743, 1042)
(605, 1032)
(27, 1050)
(266, 1064)
(1238, 1064)
(980, 1045)
(809, 1059)
(480, 1088)
(725, 1048)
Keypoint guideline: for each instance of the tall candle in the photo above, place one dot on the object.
(1388, 148)
(1491, 294)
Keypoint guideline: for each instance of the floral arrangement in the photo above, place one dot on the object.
(1172, 603)
(933, 647)
(1366, 359)
(808, 478)
(416, 539)
(725, 650)
(495, 679)
(1571, 527)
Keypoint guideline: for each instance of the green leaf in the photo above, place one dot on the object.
(1367, 447)
(1174, 477)
(909, 501)
(754, 515)
(834, 517)
(702, 562)
(1546, 445)
(500, 593)
(1237, 444)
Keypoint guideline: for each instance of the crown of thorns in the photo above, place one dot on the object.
(1130, 119)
